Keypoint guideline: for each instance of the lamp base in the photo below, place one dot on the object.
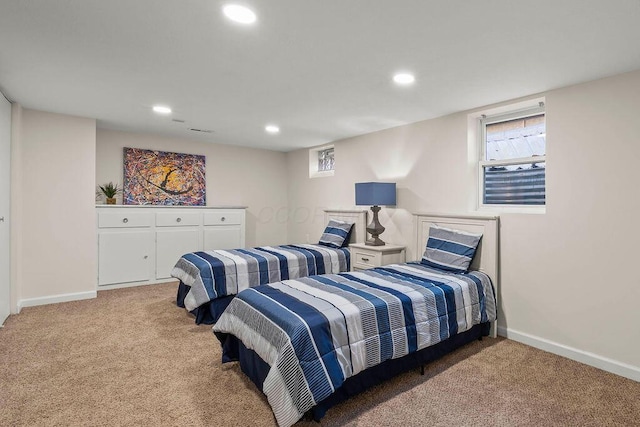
(374, 242)
(375, 229)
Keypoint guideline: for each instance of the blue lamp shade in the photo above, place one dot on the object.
(376, 193)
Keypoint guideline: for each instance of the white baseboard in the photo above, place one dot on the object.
(52, 299)
(600, 362)
(134, 284)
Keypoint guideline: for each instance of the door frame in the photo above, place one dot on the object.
(5, 208)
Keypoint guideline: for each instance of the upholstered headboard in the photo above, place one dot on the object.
(487, 258)
(358, 217)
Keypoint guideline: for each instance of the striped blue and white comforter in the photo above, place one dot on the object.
(317, 331)
(213, 274)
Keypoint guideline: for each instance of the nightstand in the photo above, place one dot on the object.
(364, 256)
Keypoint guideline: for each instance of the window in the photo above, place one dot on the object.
(325, 160)
(513, 158)
(321, 161)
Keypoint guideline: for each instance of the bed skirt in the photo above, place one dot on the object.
(208, 313)
(257, 369)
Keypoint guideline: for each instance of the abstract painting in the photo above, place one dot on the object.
(163, 178)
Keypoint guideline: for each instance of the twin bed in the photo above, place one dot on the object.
(209, 280)
(311, 342)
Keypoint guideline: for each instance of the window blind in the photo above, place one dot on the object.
(515, 187)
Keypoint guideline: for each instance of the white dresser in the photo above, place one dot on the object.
(141, 244)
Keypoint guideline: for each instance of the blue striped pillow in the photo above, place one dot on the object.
(336, 235)
(450, 250)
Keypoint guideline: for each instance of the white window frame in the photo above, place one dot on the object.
(487, 118)
(313, 162)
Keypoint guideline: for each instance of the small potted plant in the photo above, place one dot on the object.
(110, 191)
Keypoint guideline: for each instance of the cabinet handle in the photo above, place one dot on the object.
(222, 219)
(146, 256)
(126, 220)
(178, 219)
(365, 259)
(1, 219)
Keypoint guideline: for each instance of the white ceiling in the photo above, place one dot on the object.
(320, 69)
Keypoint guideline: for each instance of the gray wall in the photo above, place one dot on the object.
(235, 176)
(565, 282)
(53, 209)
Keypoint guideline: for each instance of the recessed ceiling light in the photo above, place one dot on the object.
(240, 14)
(161, 109)
(272, 129)
(404, 78)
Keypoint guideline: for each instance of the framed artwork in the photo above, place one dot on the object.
(163, 178)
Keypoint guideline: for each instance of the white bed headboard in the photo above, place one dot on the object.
(487, 258)
(358, 217)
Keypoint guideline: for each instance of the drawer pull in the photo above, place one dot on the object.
(146, 256)
(178, 219)
(222, 219)
(125, 220)
(365, 259)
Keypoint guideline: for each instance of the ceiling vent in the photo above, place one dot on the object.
(201, 130)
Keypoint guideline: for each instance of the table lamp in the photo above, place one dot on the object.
(374, 194)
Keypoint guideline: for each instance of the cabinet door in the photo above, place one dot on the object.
(124, 256)
(223, 237)
(171, 245)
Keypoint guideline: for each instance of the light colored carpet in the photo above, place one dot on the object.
(131, 357)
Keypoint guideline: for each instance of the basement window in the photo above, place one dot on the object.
(513, 159)
(326, 161)
(321, 161)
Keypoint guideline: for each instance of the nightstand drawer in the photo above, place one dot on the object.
(365, 259)
(364, 256)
